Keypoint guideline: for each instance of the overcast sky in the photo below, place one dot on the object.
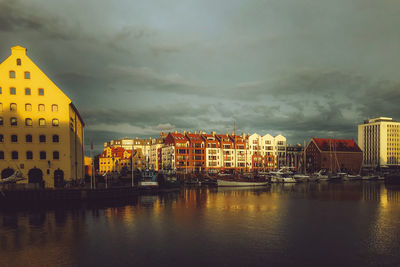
(301, 68)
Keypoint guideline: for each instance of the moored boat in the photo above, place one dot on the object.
(222, 182)
(148, 179)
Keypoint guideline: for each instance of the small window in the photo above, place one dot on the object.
(12, 74)
(28, 107)
(42, 154)
(29, 155)
(1, 138)
(56, 155)
(41, 107)
(14, 155)
(41, 91)
(28, 138)
(1, 120)
(13, 107)
(28, 122)
(27, 75)
(1, 91)
(42, 138)
(27, 91)
(54, 108)
(42, 122)
(18, 61)
(13, 121)
(56, 138)
(55, 122)
(13, 91)
(1, 154)
(14, 138)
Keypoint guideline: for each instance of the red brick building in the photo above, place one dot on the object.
(179, 143)
(334, 155)
(196, 162)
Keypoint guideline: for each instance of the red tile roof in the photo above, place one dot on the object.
(178, 137)
(343, 145)
(195, 138)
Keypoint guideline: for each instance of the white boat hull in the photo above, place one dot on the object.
(239, 183)
(148, 184)
(283, 180)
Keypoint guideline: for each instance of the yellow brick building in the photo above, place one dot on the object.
(41, 131)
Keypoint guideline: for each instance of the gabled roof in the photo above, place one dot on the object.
(178, 137)
(342, 145)
(224, 138)
(194, 138)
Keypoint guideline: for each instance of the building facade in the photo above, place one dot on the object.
(379, 139)
(334, 155)
(41, 131)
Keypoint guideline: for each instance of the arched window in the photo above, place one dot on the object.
(13, 121)
(28, 107)
(14, 138)
(56, 155)
(14, 155)
(42, 122)
(12, 74)
(42, 154)
(42, 138)
(28, 138)
(29, 155)
(1, 154)
(27, 75)
(18, 61)
(28, 122)
(41, 107)
(56, 138)
(54, 108)
(13, 107)
(55, 122)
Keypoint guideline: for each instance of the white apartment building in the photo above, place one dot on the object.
(156, 144)
(379, 139)
(262, 148)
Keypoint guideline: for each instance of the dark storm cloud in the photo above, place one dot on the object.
(297, 67)
(16, 16)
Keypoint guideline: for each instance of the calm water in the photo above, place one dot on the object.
(314, 224)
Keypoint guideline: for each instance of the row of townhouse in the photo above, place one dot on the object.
(198, 152)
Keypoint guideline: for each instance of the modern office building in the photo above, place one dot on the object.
(379, 139)
(41, 131)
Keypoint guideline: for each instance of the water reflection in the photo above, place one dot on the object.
(341, 223)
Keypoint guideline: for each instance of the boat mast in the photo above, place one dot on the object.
(304, 158)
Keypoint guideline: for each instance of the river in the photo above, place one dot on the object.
(324, 224)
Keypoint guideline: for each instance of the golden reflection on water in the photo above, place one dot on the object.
(51, 237)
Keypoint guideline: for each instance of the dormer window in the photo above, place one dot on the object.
(12, 74)
(18, 62)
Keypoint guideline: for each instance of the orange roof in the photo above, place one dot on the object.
(178, 137)
(194, 138)
(344, 145)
